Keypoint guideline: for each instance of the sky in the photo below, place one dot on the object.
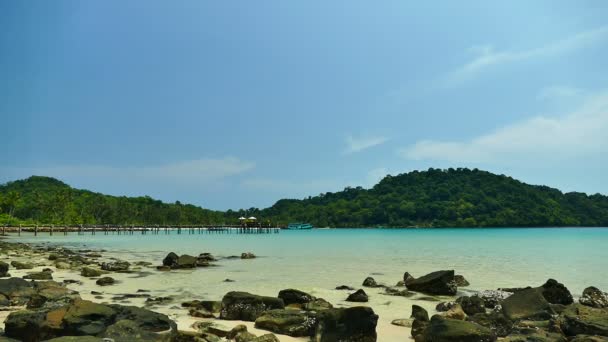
(236, 104)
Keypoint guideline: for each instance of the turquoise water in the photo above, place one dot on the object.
(317, 261)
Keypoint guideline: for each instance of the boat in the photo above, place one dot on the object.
(299, 225)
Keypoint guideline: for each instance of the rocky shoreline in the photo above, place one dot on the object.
(38, 308)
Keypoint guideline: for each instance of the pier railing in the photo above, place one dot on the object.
(139, 229)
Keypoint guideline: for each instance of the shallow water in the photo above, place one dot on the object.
(319, 260)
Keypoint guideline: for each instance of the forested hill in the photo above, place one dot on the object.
(437, 198)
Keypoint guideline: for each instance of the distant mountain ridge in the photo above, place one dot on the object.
(433, 198)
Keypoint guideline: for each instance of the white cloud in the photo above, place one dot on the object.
(581, 133)
(359, 144)
(487, 56)
(559, 92)
(192, 172)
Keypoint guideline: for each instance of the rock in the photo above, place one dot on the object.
(444, 306)
(461, 281)
(75, 339)
(358, 296)
(592, 296)
(105, 281)
(472, 305)
(587, 338)
(53, 256)
(21, 265)
(437, 283)
(245, 337)
(266, 338)
(495, 321)
(317, 305)
(86, 318)
(117, 266)
(580, 319)
(345, 287)
(247, 255)
(455, 312)
(448, 330)
(127, 330)
(201, 313)
(62, 265)
(206, 257)
(28, 325)
(428, 299)
(163, 268)
(185, 261)
(556, 293)
(288, 322)
(17, 290)
(146, 320)
(391, 291)
(246, 306)
(39, 276)
(170, 260)
(51, 295)
(419, 313)
(493, 298)
(403, 322)
(370, 282)
(347, 324)
(407, 277)
(3, 269)
(292, 296)
(90, 272)
(526, 304)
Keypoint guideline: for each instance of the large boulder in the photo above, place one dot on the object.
(358, 296)
(419, 313)
(495, 321)
(22, 265)
(39, 276)
(31, 326)
(580, 319)
(87, 318)
(347, 324)
(556, 293)
(472, 305)
(294, 323)
(407, 277)
(492, 298)
(170, 260)
(527, 304)
(146, 320)
(186, 261)
(50, 295)
(127, 330)
(292, 296)
(443, 329)
(317, 304)
(90, 272)
(437, 283)
(370, 282)
(17, 290)
(594, 297)
(246, 306)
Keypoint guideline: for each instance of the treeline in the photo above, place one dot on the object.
(433, 198)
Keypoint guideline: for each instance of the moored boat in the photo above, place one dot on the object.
(299, 225)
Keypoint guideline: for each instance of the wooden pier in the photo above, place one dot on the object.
(138, 229)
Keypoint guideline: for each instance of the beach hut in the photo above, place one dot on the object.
(252, 218)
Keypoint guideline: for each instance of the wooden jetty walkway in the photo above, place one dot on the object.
(140, 229)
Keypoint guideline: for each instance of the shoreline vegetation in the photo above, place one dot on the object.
(46, 293)
(434, 198)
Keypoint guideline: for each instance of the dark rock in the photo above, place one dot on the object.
(400, 283)
(228, 280)
(580, 319)
(407, 277)
(347, 324)
(403, 322)
(461, 281)
(437, 283)
(345, 287)
(39, 276)
(419, 313)
(206, 257)
(90, 272)
(246, 306)
(292, 296)
(358, 296)
(556, 293)
(267, 338)
(30, 326)
(117, 266)
(201, 313)
(21, 265)
(86, 318)
(158, 300)
(472, 305)
(235, 331)
(492, 298)
(317, 304)
(17, 290)
(391, 291)
(587, 338)
(594, 297)
(127, 330)
(495, 321)
(74, 339)
(526, 304)
(186, 261)
(145, 319)
(370, 282)
(455, 312)
(105, 281)
(449, 330)
(3, 269)
(170, 260)
(288, 322)
(444, 306)
(247, 255)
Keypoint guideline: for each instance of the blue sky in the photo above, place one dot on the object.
(234, 104)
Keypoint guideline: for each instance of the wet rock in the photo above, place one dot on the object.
(201, 313)
(317, 304)
(370, 282)
(556, 293)
(293, 296)
(90, 272)
(22, 265)
(228, 280)
(288, 322)
(345, 287)
(419, 313)
(391, 291)
(357, 296)
(492, 298)
(86, 318)
(437, 283)
(128, 330)
(247, 255)
(495, 321)
(526, 304)
(105, 281)
(39, 276)
(472, 305)
(403, 322)
(186, 261)
(455, 312)
(448, 330)
(145, 319)
(246, 306)
(347, 324)
(580, 319)
(117, 266)
(594, 297)
(444, 306)
(170, 260)
(461, 281)
(4, 269)
(17, 290)
(407, 277)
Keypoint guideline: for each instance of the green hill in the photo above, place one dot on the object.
(437, 198)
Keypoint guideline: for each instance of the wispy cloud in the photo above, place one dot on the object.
(559, 92)
(487, 56)
(581, 133)
(354, 145)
